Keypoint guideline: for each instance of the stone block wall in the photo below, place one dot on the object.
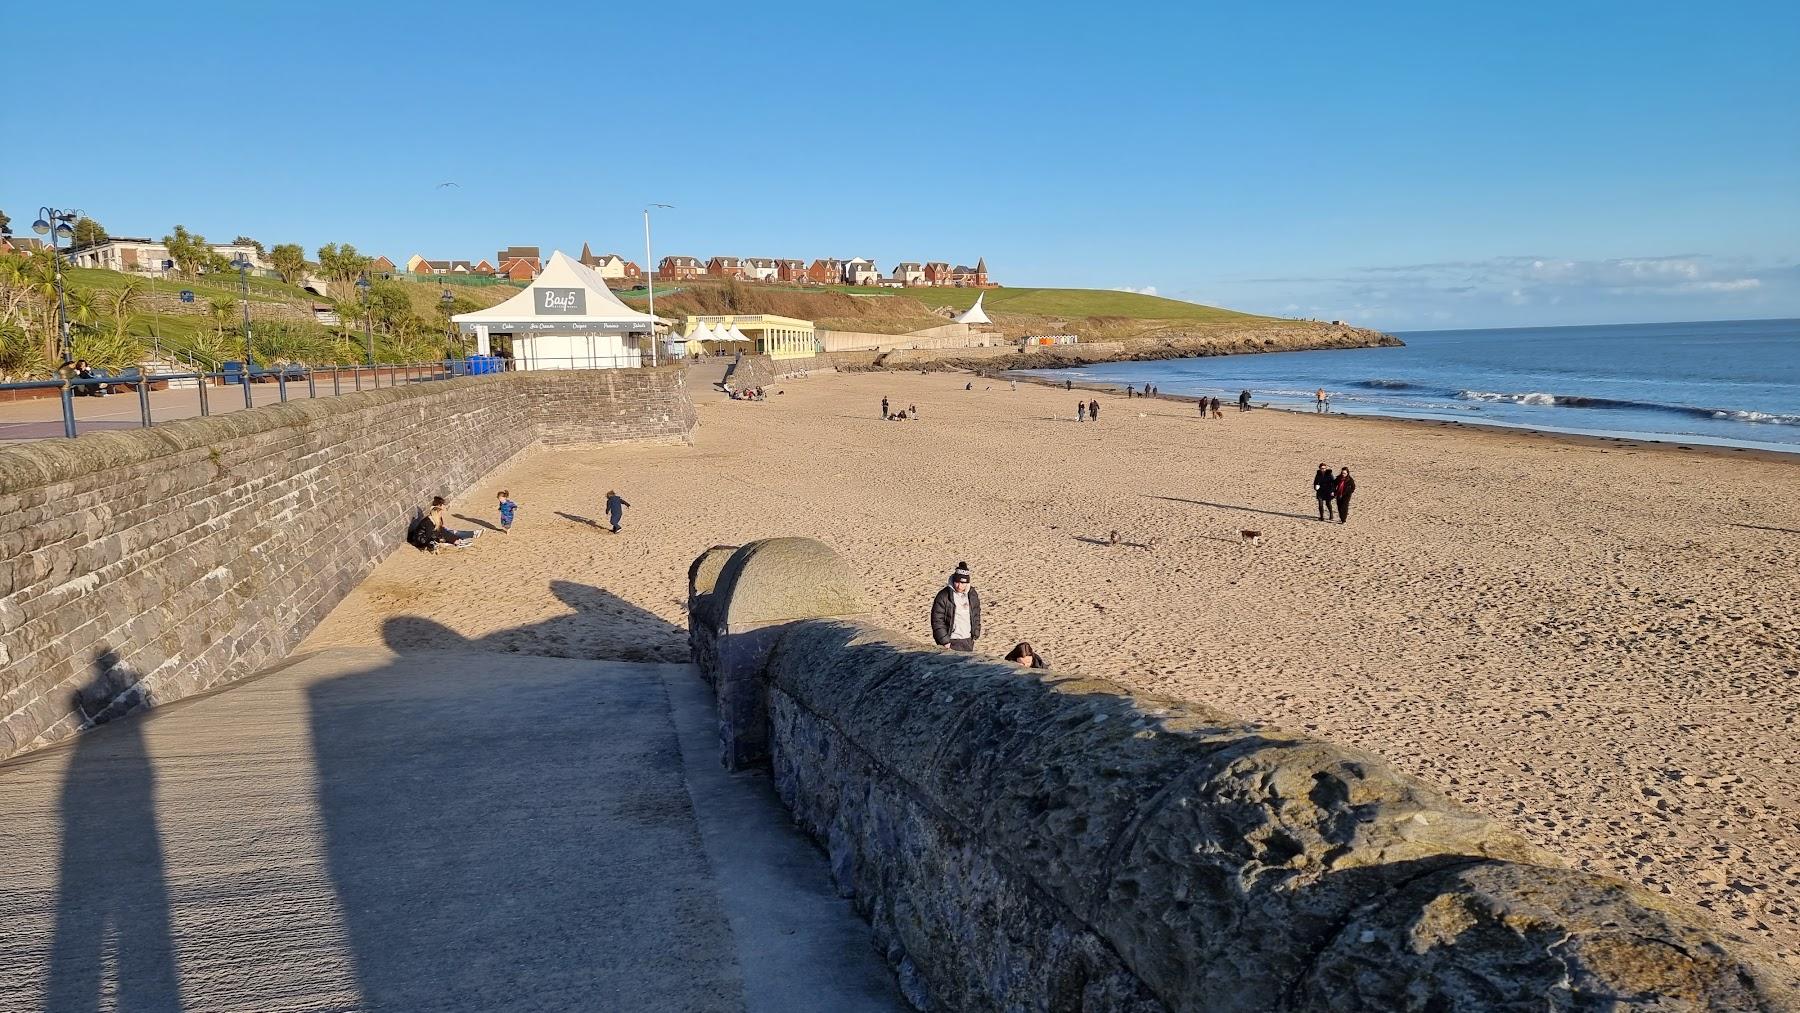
(612, 405)
(141, 567)
(750, 371)
(1020, 840)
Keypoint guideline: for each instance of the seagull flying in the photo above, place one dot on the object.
(440, 186)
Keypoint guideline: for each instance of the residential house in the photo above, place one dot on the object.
(125, 253)
(790, 270)
(760, 268)
(826, 272)
(861, 271)
(610, 266)
(679, 269)
(484, 270)
(725, 267)
(529, 253)
(970, 277)
(909, 273)
(21, 244)
(381, 267)
(518, 268)
(937, 273)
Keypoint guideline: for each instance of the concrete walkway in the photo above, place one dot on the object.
(359, 830)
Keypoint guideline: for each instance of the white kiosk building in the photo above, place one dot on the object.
(566, 319)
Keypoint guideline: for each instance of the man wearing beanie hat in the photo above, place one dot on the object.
(956, 612)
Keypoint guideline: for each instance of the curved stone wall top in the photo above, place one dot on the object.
(779, 579)
(703, 572)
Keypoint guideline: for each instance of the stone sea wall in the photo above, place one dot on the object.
(143, 566)
(1021, 840)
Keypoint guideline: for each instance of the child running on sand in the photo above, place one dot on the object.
(507, 509)
(615, 509)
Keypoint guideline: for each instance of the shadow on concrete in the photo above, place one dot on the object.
(112, 944)
(1229, 506)
(599, 625)
(515, 833)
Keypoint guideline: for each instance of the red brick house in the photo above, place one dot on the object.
(381, 265)
(826, 272)
(725, 267)
(790, 270)
(484, 269)
(679, 269)
(970, 277)
(937, 273)
(518, 269)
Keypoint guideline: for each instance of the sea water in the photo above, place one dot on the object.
(1735, 383)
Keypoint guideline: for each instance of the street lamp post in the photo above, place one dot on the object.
(650, 271)
(445, 300)
(242, 263)
(362, 289)
(58, 224)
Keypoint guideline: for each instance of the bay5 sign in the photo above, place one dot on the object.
(561, 300)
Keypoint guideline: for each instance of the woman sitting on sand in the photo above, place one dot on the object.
(1022, 654)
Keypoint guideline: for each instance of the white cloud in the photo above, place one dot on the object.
(1146, 290)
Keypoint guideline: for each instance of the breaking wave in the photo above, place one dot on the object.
(1583, 401)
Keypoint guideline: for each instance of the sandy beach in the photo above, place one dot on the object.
(1596, 642)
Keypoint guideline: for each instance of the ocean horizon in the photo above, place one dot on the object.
(1718, 382)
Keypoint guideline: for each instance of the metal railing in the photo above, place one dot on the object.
(290, 382)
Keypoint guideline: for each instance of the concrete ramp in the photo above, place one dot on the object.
(457, 831)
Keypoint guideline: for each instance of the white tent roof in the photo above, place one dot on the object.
(974, 314)
(737, 335)
(568, 297)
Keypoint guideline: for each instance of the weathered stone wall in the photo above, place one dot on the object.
(750, 371)
(144, 566)
(1020, 840)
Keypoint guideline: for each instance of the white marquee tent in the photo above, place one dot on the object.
(974, 314)
(566, 319)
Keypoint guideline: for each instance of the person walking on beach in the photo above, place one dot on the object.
(1202, 406)
(1094, 411)
(1346, 488)
(615, 509)
(1217, 414)
(1081, 411)
(956, 612)
(1321, 401)
(507, 509)
(1068, 385)
(884, 408)
(1324, 490)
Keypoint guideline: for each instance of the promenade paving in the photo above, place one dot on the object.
(442, 830)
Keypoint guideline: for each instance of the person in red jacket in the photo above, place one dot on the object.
(1346, 487)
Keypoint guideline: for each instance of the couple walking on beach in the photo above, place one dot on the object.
(1332, 490)
(1087, 412)
(956, 621)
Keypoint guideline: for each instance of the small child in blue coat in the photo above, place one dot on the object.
(507, 509)
(615, 509)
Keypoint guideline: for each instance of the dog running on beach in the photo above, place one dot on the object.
(1248, 537)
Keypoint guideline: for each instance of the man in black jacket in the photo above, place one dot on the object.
(1324, 490)
(956, 613)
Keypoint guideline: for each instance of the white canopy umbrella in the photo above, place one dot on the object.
(974, 314)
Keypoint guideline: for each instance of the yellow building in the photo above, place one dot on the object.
(774, 336)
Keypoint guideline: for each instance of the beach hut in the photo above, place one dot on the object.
(974, 314)
(565, 319)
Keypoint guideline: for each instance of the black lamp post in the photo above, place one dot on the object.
(444, 301)
(58, 224)
(242, 263)
(362, 289)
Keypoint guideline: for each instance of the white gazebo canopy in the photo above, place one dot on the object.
(570, 303)
(974, 314)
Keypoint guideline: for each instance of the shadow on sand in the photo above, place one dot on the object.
(1229, 506)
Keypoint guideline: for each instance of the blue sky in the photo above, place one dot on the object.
(1399, 165)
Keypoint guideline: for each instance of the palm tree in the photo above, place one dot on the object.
(121, 303)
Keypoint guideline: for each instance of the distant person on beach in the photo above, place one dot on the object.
(969, 386)
(912, 411)
(1243, 400)
(1346, 488)
(1025, 655)
(1068, 385)
(1321, 401)
(1202, 404)
(884, 408)
(507, 509)
(1216, 413)
(956, 612)
(615, 509)
(1094, 411)
(1081, 411)
(1015, 384)
(431, 531)
(1324, 490)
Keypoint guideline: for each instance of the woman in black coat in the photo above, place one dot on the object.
(1346, 488)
